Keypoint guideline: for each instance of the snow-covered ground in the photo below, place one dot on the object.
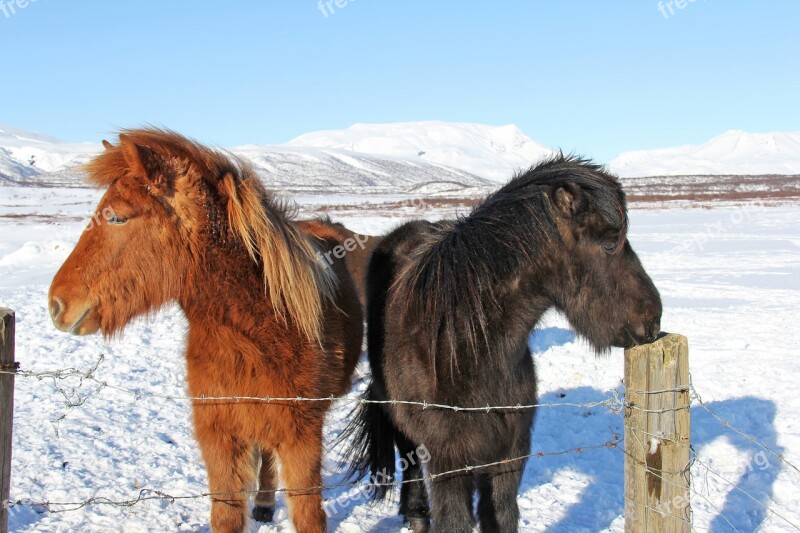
(730, 281)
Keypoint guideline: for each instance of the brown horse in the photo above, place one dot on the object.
(180, 222)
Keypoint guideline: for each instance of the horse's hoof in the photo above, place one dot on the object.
(263, 514)
(418, 525)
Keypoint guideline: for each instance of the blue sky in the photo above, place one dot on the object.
(596, 77)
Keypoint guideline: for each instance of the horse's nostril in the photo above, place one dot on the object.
(56, 307)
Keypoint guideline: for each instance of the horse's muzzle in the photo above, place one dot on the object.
(78, 322)
(648, 332)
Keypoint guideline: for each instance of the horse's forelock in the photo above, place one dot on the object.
(106, 168)
(603, 190)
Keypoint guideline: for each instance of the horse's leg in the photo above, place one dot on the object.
(264, 509)
(497, 502)
(451, 496)
(229, 462)
(413, 494)
(301, 469)
(498, 486)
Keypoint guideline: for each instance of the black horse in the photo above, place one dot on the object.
(450, 308)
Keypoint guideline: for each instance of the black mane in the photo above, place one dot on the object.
(454, 284)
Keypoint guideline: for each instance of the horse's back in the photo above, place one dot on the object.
(358, 257)
(402, 366)
(344, 322)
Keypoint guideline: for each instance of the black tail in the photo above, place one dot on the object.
(371, 448)
(372, 434)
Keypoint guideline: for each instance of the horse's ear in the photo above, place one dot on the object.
(144, 162)
(107, 145)
(227, 188)
(567, 199)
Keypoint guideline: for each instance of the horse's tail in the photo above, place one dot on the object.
(371, 449)
(372, 433)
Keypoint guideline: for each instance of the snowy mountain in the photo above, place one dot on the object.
(38, 153)
(33, 159)
(11, 169)
(329, 170)
(415, 157)
(492, 152)
(732, 153)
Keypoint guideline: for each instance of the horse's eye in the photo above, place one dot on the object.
(114, 218)
(609, 247)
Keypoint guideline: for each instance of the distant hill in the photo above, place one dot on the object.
(315, 170)
(732, 153)
(28, 158)
(492, 152)
(416, 158)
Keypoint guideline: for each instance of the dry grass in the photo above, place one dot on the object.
(687, 191)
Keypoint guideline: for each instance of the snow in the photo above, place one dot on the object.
(429, 156)
(732, 153)
(492, 152)
(729, 278)
(309, 170)
(288, 168)
(49, 154)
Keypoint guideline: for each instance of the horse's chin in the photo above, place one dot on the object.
(628, 339)
(89, 326)
(87, 323)
(625, 339)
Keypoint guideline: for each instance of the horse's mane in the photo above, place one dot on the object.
(454, 282)
(298, 283)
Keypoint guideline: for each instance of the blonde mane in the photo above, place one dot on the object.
(297, 283)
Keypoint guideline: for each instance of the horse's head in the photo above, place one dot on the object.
(133, 256)
(600, 283)
(170, 205)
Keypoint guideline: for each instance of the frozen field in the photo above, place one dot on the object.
(730, 281)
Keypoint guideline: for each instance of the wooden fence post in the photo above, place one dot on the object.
(657, 423)
(8, 366)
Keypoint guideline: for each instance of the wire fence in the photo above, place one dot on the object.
(76, 395)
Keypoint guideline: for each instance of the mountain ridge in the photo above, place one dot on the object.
(415, 157)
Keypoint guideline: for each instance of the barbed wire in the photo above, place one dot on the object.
(615, 402)
(727, 424)
(694, 459)
(162, 495)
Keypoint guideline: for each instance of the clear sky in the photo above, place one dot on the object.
(596, 77)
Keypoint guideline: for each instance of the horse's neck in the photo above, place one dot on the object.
(518, 284)
(522, 307)
(227, 287)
